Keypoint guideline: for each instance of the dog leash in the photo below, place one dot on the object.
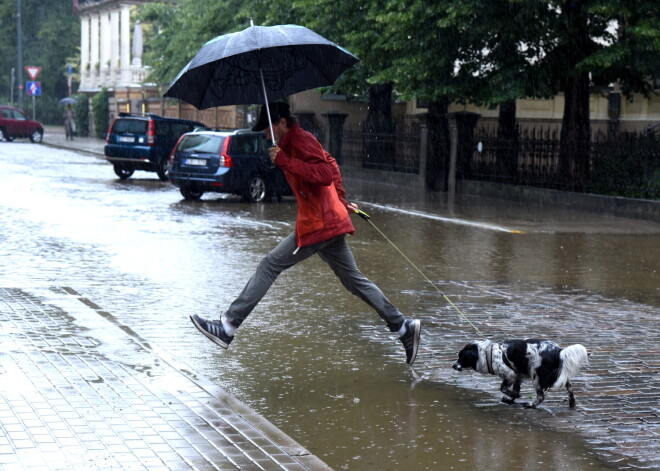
(367, 218)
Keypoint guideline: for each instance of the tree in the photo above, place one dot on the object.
(51, 33)
(514, 49)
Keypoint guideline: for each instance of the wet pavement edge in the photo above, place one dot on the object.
(72, 398)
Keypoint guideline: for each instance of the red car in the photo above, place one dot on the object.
(14, 123)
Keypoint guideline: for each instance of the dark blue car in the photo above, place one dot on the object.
(234, 162)
(144, 142)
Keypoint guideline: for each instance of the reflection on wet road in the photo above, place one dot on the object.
(315, 360)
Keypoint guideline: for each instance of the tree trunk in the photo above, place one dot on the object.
(575, 142)
(507, 135)
(379, 142)
(437, 162)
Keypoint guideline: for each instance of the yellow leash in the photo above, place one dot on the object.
(367, 218)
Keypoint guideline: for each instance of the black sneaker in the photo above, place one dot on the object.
(410, 339)
(213, 330)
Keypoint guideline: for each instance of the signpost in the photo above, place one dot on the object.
(33, 87)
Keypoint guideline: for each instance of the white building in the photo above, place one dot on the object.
(109, 56)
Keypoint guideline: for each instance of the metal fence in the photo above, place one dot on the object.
(395, 152)
(617, 163)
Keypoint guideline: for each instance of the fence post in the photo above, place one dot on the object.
(423, 148)
(335, 135)
(461, 146)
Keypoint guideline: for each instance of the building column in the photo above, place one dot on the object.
(94, 54)
(125, 45)
(84, 52)
(114, 47)
(104, 45)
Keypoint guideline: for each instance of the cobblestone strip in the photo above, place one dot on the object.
(73, 399)
(618, 394)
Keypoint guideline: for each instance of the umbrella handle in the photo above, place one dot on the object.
(270, 123)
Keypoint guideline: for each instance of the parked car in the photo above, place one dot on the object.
(234, 162)
(144, 142)
(15, 123)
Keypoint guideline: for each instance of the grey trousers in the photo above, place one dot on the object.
(336, 253)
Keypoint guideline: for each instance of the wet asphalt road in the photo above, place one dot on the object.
(315, 360)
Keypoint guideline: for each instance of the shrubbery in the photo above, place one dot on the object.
(101, 111)
(628, 165)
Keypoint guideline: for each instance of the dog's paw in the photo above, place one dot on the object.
(508, 400)
(571, 403)
(529, 405)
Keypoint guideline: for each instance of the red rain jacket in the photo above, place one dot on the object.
(314, 177)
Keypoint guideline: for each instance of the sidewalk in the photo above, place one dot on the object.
(78, 390)
(54, 136)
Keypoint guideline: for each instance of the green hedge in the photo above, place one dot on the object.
(627, 166)
(101, 111)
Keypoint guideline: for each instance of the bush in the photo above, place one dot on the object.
(101, 111)
(628, 166)
(82, 115)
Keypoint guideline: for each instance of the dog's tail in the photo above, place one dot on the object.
(572, 358)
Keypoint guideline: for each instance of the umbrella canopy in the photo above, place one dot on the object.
(67, 101)
(259, 64)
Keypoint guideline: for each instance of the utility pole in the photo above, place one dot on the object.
(13, 82)
(20, 53)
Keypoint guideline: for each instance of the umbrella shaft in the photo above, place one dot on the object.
(270, 122)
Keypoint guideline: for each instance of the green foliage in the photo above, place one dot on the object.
(51, 33)
(101, 112)
(81, 108)
(180, 29)
(627, 166)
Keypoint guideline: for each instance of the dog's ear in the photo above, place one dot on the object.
(469, 356)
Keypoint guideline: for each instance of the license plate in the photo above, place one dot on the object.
(125, 139)
(194, 162)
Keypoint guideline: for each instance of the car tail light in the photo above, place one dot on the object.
(226, 161)
(151, 133)
(175, 148)
(107, 137)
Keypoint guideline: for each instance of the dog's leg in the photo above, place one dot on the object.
(571, 397)
(540, 396)
(510, 396)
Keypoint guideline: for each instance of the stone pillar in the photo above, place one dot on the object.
(84, 52)
(461, 135)
(423, 149)
(94, 59)
(114, 47)
(125, 45)
(335, 133)
(104, 44)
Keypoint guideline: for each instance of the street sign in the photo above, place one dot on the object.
(34, 88)
(32, 71)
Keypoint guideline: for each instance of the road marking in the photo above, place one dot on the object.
(435, 217)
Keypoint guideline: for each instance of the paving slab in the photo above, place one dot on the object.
(79, 390)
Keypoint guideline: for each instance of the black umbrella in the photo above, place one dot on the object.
(258, 65)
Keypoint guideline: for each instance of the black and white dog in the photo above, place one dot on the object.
(544, 362)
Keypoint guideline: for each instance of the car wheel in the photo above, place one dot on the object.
(3, 136)
(256, 189)
(123, 172)
(161, 170)
(191, 194)
(37, 135)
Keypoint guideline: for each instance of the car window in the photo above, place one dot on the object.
(244, 145)
(130, 126)
(163, 128)
(207, 144)
(19, 116)
(7, 114)
(182, 128)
